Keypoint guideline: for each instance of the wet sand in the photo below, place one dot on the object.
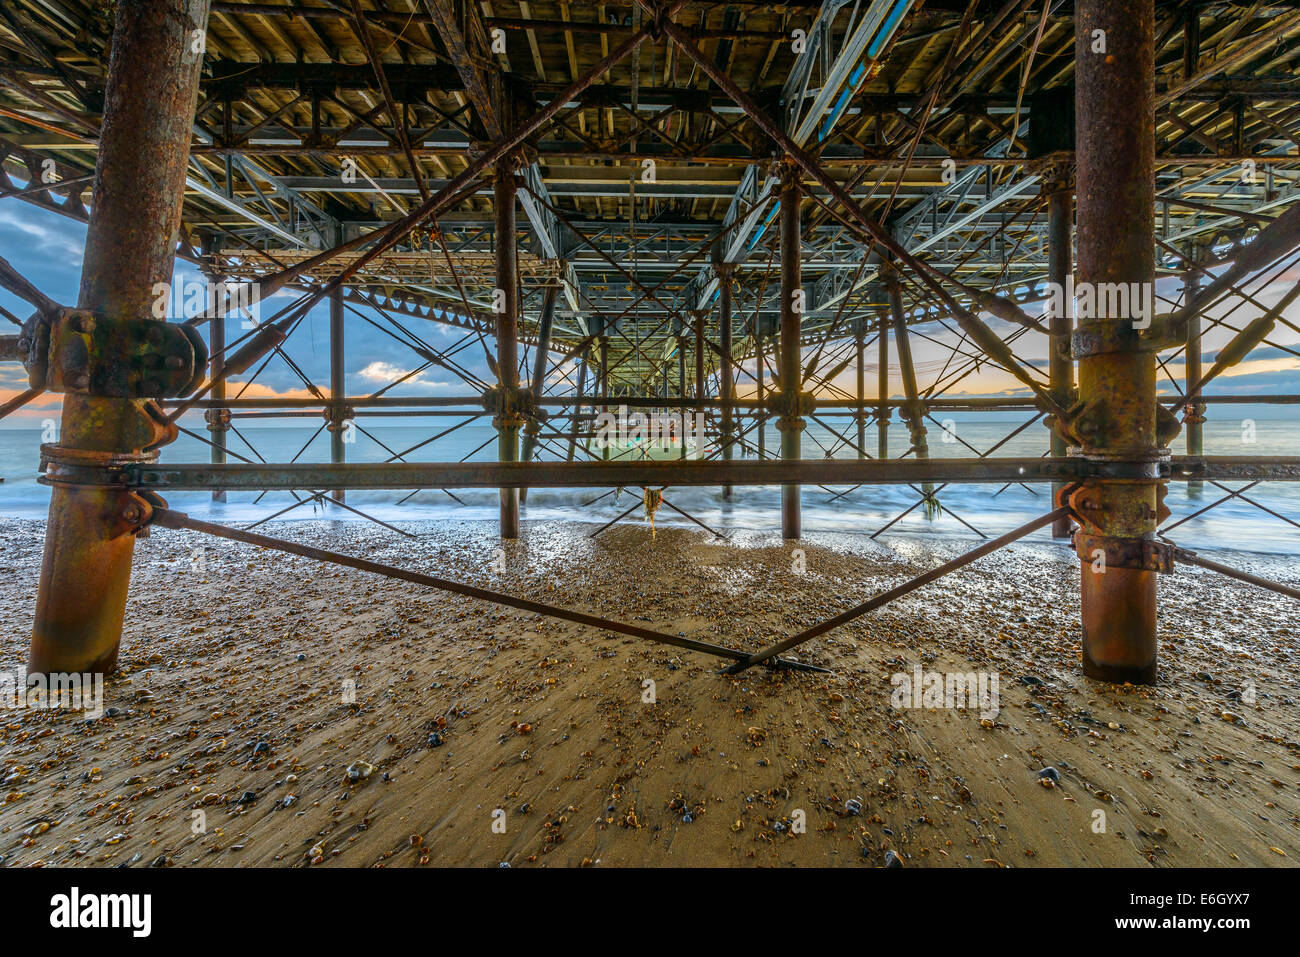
(482, 736)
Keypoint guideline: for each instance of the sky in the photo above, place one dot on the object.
(47, 249)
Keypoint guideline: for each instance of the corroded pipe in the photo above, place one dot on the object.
(1115, 156)
(149, 104)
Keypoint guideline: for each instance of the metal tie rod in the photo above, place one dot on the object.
(167, 518)
(885, 598)
(1191, 558)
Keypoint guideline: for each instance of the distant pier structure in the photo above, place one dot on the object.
(745, 214)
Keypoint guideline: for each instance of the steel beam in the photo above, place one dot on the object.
(671, 473)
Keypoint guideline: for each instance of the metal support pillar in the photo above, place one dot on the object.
(914, 413)
(681, 392)
(882, 416)
(149, 103)
(1115, 156)
(577, 407)
(508, 419)
(1060, 265)
(726, 383)
(217, 419)
(701, 387)
(542, 353)
(760, 366)
(1194, 416)
(602, 383)
(860, 345)
(338, 388)
(791, 423)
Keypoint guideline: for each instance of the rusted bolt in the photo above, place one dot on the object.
(133, 512)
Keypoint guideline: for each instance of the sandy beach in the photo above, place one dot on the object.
(275, 711)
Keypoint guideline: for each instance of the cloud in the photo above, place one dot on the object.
(62, 242)
(45, 406)
(382, 373)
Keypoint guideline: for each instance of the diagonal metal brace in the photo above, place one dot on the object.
(899, 591)
(167, 518)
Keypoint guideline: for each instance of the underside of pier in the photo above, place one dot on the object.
(821, 218)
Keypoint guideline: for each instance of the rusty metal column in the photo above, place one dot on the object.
(726, 384)
(602, 380)
(507, 420)
(860, 343)
(700, 386)
(149, 102)
(1115, 156)
(578, 414)
(533, 428)
(681, 389)
(883, 416)
(217, 418)
(791, 423)
(338, 389)
(1060, 265)
(914, 413)
(760, 366)
(1194, 417)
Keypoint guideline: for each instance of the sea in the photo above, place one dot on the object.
(1237, 523)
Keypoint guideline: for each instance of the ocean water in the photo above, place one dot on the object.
(992, 509)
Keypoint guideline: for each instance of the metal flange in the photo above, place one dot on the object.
(77, 351)
(1149, 554)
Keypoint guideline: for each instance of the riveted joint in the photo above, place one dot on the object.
(77, 351)
(511, 402)
(791, 408)
(218, 420)
(337, 415)
(1145, 553)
